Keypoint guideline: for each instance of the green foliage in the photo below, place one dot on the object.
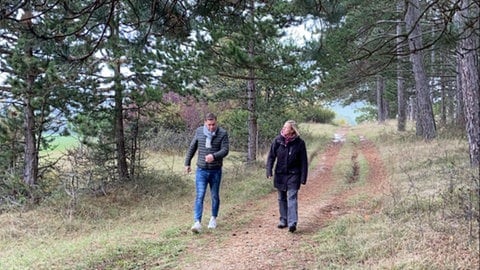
(95, 157)
(235, 121)
(271, 122)
(317, 114)
(245, 51)
(11, 137)
(59, 66)
(367, 113)
(13, 192)
(170, 117)
(353, 50)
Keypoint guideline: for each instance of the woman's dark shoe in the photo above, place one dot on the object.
(281, 225)
(292, 228)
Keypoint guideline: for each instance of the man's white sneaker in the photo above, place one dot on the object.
(197, 227)
(213, 223)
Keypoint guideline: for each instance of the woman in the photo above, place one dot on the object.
(289, 152)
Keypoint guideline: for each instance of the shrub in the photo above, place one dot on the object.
(165, 140)
(318, 114)
(235, 122)
(368, 113)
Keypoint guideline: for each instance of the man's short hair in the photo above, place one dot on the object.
(210, 116)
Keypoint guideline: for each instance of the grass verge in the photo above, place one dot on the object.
(427, 215)
(140, 225)
(424, 219)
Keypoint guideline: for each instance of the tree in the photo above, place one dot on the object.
(401, 97)
(370, 40)
(381, 101)
(137, 33)
(34, 83)
(425, 119)
(468, 76)
(56, 43)
(241, 42)
(354, 49)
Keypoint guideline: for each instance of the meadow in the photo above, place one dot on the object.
(426, 218)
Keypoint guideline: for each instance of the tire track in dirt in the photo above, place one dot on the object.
(260, 245)
(377, 173)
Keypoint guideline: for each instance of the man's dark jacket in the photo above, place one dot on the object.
(220, 148)
(291, 166)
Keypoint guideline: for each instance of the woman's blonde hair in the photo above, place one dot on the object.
(294, 126)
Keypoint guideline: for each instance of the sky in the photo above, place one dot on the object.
(346, 113)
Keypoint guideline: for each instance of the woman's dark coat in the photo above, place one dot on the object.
(291, 166)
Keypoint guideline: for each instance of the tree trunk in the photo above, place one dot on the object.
(134, 148)
(460, 107)
(444, 98)
(30, 169)
(135, 130)
(380, 99)
(412, 108)
(252, 113)
(469, 78)
(402, 103)
(452, 104)
(251, 102)
(121, 153)
(30, 172)
(425, 119)
(122, 166)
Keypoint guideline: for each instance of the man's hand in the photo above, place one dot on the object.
(188, 169)
(209, 158)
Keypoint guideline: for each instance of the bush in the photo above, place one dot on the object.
(13, 192)
(235, 122)
(368, 113)
(318, 114)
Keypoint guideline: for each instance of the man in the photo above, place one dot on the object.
(213, 145)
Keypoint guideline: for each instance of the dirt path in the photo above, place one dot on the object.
(260, 245)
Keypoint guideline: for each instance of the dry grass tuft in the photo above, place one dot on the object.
(428, 218)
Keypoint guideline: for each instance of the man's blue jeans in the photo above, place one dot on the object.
(288, 206)
(204, 178)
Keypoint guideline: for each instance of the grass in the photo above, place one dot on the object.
(62, 143)
(131, 228)
(422, 221)
(427, 215)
